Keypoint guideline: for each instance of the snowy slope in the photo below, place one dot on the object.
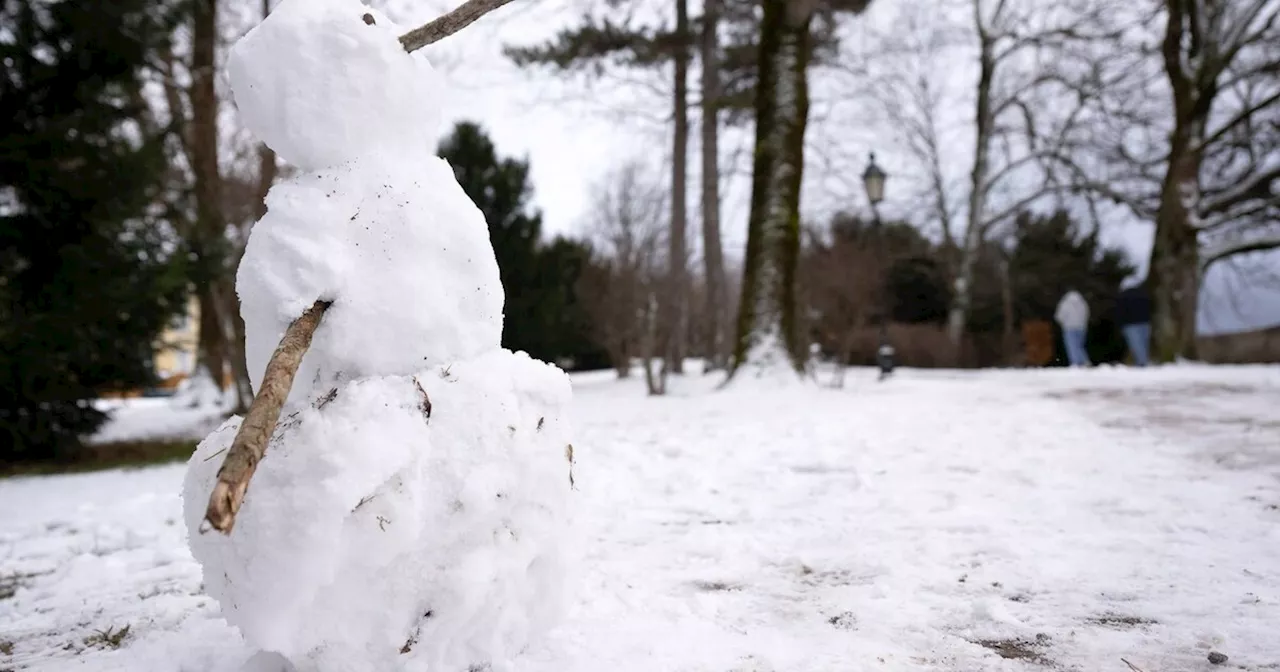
(1065, 519)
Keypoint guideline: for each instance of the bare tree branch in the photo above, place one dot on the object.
(250, 444)
(450, 23)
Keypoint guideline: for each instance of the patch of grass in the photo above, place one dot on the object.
(1018, 649)
(1120, 622)
(715, 586)
(127, 454)
(109, 638)
(10, 583)
(6, 647)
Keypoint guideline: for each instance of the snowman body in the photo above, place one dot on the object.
(412, 510)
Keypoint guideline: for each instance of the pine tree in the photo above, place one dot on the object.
(85, 283)
(542, 315)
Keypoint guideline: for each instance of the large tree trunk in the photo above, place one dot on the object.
(1175, 254)
(962, 282)
(211, 342)
(676, 299)
(1174, 274)
(766, 334)
(208, 237)
(1175, 286)
(715, 313)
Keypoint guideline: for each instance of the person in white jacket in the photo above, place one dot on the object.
(1073, 316)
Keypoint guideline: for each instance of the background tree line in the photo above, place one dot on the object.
(1160, 113)
(127, 185)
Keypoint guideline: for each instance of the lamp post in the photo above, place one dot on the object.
(873, 179)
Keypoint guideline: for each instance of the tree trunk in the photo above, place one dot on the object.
(1174, 274)
(962, 282)
(655, 381)
(766, 333)
(1175, 288)
(267, 170)
(712, 253)
(208, 237)
(674, 313)
(1175, 254)
(211, 342)
(1009, 339)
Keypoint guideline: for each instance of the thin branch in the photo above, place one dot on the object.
(250, 444)
(1262, 243)
(450, 23)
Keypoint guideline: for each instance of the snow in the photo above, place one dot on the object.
(156, 419)
(413, 511)
(1082, 516)
(321, 86)
(378, 536)
(379, 226)
(400, 250)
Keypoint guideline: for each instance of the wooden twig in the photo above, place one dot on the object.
(259, 423)
(1133, 667)
(448, 24)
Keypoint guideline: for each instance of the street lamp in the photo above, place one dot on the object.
(873, 179)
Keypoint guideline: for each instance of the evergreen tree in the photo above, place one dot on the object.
(542, 314)
(85, 284)
(1050, 256)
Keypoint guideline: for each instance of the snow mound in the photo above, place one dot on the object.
(400, 250)
(375, 537)
(322, 85)
(200, 391)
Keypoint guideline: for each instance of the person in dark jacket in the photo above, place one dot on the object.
(1133, 314)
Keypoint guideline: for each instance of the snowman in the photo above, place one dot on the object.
(412, 508)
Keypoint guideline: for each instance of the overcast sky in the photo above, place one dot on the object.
(574, 132)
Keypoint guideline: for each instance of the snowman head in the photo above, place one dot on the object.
(323, 82)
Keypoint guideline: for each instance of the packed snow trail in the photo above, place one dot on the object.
(939, 521)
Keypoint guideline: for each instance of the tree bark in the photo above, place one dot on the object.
(676, 296)
(1175, 254)
(208, 235)
(250, 443)
(715, 312)
(1174, 274)
(984, 119)
(450, 23)
(766, 331)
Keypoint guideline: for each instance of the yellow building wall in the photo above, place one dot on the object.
(175, 350)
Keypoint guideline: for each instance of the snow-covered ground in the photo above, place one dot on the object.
(940, 521)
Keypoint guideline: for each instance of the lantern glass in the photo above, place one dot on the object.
(873, 180)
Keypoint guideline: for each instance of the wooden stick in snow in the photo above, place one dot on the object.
(259, 423)
(448, 24)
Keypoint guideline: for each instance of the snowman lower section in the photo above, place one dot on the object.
(379, 536)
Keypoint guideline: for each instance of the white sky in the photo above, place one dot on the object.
(574, 133)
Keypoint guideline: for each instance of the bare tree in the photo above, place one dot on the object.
(715, 310)
(842, 281)
(909, 87)
(674, 303)
(1049, 57)
(627, 235)
(219, 188)
(1036, 82)
(1205, 169)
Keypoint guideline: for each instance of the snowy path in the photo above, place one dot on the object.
(939, 522)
